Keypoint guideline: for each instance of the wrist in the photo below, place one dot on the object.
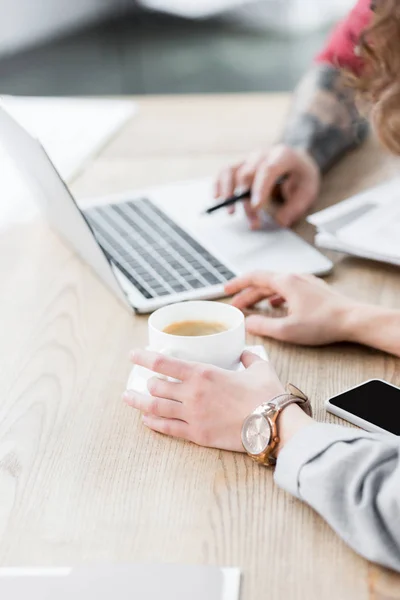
(290, 421)
(305, 150)
(356, 320)
(374, 326)
(306, 155)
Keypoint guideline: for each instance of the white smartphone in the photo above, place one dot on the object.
(373, 406)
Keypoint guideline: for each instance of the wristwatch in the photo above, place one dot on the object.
(260, 432)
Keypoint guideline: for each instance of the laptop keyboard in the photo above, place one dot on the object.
(157, 256)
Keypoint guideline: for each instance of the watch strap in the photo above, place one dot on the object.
(279, 403)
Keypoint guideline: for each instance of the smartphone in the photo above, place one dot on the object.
(373, 405)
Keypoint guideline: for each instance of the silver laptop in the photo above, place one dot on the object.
(157, 246)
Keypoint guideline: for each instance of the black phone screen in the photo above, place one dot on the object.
(374, 401)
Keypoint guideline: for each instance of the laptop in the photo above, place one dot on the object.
(155, 247)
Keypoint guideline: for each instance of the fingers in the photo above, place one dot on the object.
(252, 295)
(165, 389)
(159, 407)
(171, 427)
(225, 185)
(227, 182)
(249, 297)
(247, 170)
(234, 180)
(290, 212)
(268, 327)
(248, 359)
(258, 279)
(217, 189)
(285, 286)
(158, 363)
(253, 215)
(244, 179)
(276, 301)
(260, 173)
(301, 189)
(277, 164)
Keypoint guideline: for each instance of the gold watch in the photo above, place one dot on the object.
(260, 432)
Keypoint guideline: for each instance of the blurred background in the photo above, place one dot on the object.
(114, 47)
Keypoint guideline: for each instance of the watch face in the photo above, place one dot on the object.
(256, 434)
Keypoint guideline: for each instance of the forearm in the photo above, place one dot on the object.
(351, 478)
(324, 120)
(373, 326)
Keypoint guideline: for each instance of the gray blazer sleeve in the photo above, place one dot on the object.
(352, 479)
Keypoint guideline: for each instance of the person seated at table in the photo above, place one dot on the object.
(350, 477)
(324, 122)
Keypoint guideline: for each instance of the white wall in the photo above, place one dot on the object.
(304, 15)
(292, 15)
(25, 22)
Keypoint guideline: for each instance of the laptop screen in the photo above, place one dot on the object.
(54, 198)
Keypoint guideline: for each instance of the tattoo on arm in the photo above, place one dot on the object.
(324, 119)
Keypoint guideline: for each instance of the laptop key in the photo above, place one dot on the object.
(154, 251)
(197, 284)
(178, 287)
(212, 279)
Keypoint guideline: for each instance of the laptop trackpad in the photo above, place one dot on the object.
(272, 248)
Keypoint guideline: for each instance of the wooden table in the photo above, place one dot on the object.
(81, 481)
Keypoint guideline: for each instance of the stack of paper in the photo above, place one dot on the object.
(367, 225)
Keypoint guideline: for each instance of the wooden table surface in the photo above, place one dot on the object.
(81, 481)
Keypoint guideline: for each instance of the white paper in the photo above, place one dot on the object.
(131, 580)
(367, 225)
(378, 231)
(71, 130)
(231, 583)
(35, 572)
(376, 196)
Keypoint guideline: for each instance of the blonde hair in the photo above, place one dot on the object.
(378, 85)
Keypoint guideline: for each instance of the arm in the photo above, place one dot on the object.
(322, 126)
(351, 478)
(324, 119)
(317, 313)
(384, 334)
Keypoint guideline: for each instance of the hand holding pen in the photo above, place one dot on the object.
(276, 197)
(285, 179)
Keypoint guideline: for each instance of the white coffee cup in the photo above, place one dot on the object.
(222, 349)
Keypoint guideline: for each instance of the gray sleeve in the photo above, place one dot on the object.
(352, 479)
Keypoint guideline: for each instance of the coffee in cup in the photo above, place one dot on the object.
(200, 331)
(195, 328)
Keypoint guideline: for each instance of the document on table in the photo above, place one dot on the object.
(72, 131)
(144, 582)
(367, 225)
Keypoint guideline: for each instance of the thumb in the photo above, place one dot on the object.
(248, 359)
(295, 205)
(290, 213)
(266, 326)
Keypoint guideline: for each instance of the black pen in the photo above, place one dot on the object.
(276, 196)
